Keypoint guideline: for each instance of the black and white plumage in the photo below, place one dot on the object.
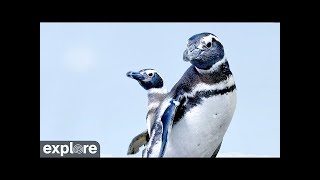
(193, 118)
(151, 81)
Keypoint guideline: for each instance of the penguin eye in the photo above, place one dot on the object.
(209, 44)
(150, 74)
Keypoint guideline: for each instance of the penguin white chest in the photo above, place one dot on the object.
(200, 131)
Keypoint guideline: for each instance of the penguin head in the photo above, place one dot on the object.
(147, 78)
(203, 50)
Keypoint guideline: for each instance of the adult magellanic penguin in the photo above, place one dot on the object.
(150, 80)
(194, 117)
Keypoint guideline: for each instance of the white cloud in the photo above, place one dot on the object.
(237, 154)
(79, 59)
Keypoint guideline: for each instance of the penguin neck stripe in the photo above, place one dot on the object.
(153, 105)
(217, 86)
(215, 92)
(213, 68)
(198, 97)
(162, 90)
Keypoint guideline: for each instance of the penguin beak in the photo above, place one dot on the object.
(185, 56)
(191, 53)
(135, 75)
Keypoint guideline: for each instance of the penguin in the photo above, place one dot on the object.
(194, 116)
(150, 80)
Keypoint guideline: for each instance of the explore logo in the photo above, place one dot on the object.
(57, 149)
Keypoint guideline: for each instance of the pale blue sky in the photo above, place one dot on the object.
(85, 94)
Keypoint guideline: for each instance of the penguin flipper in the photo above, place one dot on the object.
(138, 141)
(161, 129)
(167, 121)
(216, 151)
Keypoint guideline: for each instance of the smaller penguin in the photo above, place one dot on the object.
(151, 81)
